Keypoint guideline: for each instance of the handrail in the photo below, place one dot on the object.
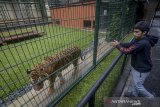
(90, 96)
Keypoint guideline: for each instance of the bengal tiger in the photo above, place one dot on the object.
(49, 66)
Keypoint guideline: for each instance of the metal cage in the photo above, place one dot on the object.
(37, 33)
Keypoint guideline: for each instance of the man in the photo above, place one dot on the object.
(140, 50)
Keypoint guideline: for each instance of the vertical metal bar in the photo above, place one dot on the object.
(97, 17)
(108, 19)
(123, 64)
(121, 19)
(92, 101)
(42, 9)
(133, 15)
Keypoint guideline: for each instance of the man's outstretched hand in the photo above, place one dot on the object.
(114, 43)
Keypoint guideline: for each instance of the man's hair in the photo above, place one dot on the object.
(143, 26)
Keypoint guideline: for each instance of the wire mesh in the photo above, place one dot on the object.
(60, 29)
(103, 48)
(34, 31)
(120, 17)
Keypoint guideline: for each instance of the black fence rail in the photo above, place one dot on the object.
(90, 96)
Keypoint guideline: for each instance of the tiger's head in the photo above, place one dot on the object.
(36, 76)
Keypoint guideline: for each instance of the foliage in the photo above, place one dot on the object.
(120, 19)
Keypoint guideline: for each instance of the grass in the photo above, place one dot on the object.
(78, 92)
(17, 58)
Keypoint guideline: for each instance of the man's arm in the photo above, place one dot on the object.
(133, 48)
(127, 44)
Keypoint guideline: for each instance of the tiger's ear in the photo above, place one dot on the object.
(28, 71)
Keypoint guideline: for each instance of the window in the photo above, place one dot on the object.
(105, 12)
(87, 23)
(94, 24)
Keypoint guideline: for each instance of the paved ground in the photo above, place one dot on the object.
(153, 82)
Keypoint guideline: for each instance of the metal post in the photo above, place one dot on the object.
(123, 64)
(92, 101)
(122, 19)
(96, 30)
(43, 9)
(133, 16)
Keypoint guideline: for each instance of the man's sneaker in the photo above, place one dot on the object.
(129, 94)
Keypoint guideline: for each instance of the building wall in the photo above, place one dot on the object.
(6, 11)
(13, 11)
(149, 9)
(74, 16)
